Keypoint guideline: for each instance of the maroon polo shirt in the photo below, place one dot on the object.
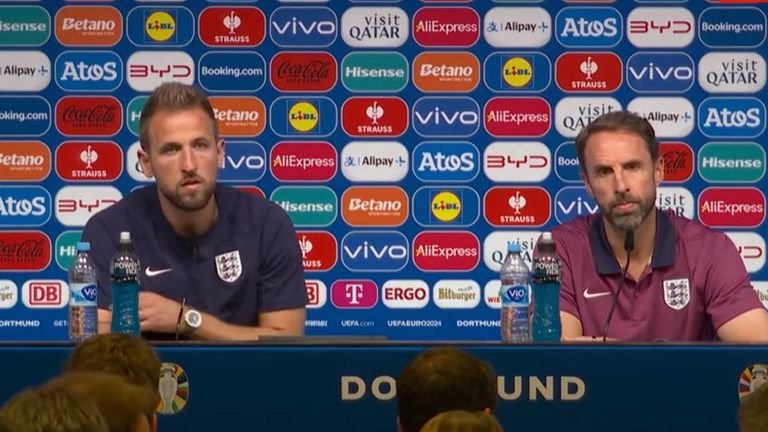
(695, 283)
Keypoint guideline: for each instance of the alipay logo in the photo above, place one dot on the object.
(302, 27)
(572, 201)
(593, 27)
(660, 72)
(24, 206)
(374, 251)
(446, 161)
(243, 161)
(89, 71)
(732, 117)
(446, 116)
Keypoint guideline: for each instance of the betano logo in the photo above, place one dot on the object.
(517, 72)
(374, 117)
(242, 116)
(89, 26)
(318, 250)
(446, 27)
(374, 206)
(24, 161)
(445, 206)
(374, 71)
(232, 26)
(452, 251)
(89, 161)
(24, 250)
(303, 71)
(456, 72)
(517, 116)
(303, 161)
(307, 206)
(588, 72)
(678, 161)
(517, 206)
(731, 162)
(732, 207)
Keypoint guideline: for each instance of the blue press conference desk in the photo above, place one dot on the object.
(348, 387)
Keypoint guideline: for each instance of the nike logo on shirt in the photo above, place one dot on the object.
(151, 273)
(588, 295)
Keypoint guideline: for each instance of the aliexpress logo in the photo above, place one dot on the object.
(446, 26)
(24, 161)
(678, 161)
(239, 115)
(24, 250)
(446, 251)
(374, 117)
(303, 71)
(305, 161)
(446, 72)
(319, 250)
(89, 26)
(374, 206)
(517, 116)
(89, 161)
(732, 207)
(89, 115)
(517, 206)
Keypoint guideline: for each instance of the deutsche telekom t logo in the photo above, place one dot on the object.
(354, 294)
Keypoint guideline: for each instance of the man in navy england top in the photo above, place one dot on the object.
(230, 258)
(683, 282)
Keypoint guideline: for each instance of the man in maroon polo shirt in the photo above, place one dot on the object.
(681, 281)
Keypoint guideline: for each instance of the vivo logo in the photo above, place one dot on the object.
(660, 72)
(446, 116)
(572, 201)
(243, 161)
(303, 26)
(374, 251)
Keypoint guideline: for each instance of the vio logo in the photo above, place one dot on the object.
(572, 201)
(662, 72)
(374, 251)
(446, 162)
(578, 27)
(446, 116)
(89, 70)
(732, 117)
(303, 26)
(243, 161)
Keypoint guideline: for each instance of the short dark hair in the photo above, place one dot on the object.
(443, 379)
(615, 121)
(753, 415)
(121, 354)
(53, 410)
(174, 96)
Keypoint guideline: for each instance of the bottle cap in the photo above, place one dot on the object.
(513, 247)
(83, 246)
(125, 237)
(546, 236)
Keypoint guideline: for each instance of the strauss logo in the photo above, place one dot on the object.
(588, 67)
(374, 112)
(89, 156)
(306, 246)
(517, 202)
(232, 22)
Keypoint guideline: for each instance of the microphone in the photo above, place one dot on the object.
(629, 246)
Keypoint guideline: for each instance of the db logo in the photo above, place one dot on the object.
(732, 207)
(242, 116)
(374, 117)
(303, 72)
(89, 26)
(446, 27)
(678, 161)
(232, 26)
(354, 294)
(24, 250)
(303, 161)
(375, 206)
(516, 206)
(454, 72)
(588, 72)
(405, 294)
(86, 115)
(318, 250)
(446, 251)
(517, 116)
(45, 294)
(317, 293)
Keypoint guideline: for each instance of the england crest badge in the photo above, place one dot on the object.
(228, 266)
(677, 293)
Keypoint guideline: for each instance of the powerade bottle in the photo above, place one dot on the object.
(124, 272)
(83, 319)
(546, 292)
(515, 296)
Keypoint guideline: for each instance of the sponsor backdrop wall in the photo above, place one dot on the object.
(408, 140)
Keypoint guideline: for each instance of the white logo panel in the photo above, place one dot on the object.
(76, 204)
(374, 161)
(374, 27)
(573, 113)
(732, 72)
(24, 71)
(148, 69)
(456, 294)
(492, 294)
(9, 294)
(751, 247)
(133, 166)
(671, 117)
(661, 27)
(45, 294)
(678, 199)
(405, 294)
(513, 161)
(495, 247)
(517, 27)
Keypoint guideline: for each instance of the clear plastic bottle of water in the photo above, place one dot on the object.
(124, 272)
(515, 296)
(545, 286)
(83, 319)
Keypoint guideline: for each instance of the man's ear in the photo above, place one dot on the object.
(146, 166)
(220, 152)
(658, 171)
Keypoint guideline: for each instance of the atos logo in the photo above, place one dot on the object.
(304, 71)
(517, 117)
(90, 161)
(446, 251)
(678, 161)
(517, 206)
(303, 116)
(524, 162)
(232, 26)
(567, 163)
(732, 117)
(24, 206)
(572, 201)
(446, 27)
(517, 72)
(732, 72)
(446, 161)
(405, 294)
(732, 27)
(441, 206)
(354, 294)
(76, 204)
(660, 27)
(453, 117)
(374, 251)
(24, 115)
(588, 27)
(243, 162)
(731, 162)
(751, 247)
(303, 27)
(303, 161)
(228, 71)
(154, 26)
(732, 207)
(89, 71)
(374, 117)
(24, 250)
(45, 294)
(660, 72)
(318, 250)
(588, 72)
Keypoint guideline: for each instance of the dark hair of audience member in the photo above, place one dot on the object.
(753, 411)
(443, 379)
(52, 410)
(462, 421)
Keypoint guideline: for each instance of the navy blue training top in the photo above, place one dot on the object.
(248, 262)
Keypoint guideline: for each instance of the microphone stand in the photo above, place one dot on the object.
(629, 246)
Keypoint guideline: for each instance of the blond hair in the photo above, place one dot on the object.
(462, 421)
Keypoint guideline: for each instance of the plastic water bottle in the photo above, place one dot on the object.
(515, 296)
(83, 319)
(546, 292)
(124, 272)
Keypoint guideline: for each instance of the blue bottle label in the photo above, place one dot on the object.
(82, 294)
(514, 295)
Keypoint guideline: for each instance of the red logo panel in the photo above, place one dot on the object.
(24, 250)
(318, 250)
(588, 72)
(89, 161)
(446, 27)
(253, 190)
(678, 161)
(303, 161)
(305, 71)
(517, 206)
(446, 251)
(232, 26)
(89, 115)
(732, 207)
(517, 116)
(374, 117)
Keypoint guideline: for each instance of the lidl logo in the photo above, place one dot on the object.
(24, 26)
(732, 27)
(89, 71)
(446, 251)
(678, 161)
(517, 206)
(227, 71)
(318, 250)
(232, 26)
(446, 206)
(573, 113)
(89, 161)
(303, 161)
(660, 72)
(732, 207)
(588, 72)
(374, 71)
(374, 161)
(517, 27)
(24, 206)
(449, 161)
(440, 116)
(572, 201)
(589, 27)
(155, 26)
(65, 248)
(24, 115)
(517, 116)
(303, 26)
(24, 161)
(307, 206)
(312, 116)
(239, 115)
(243, 162)
(89, 26)
(303, 71)
(374, 117)
(567, 163)
(374, 206)
(517, 72)
(133, 113)
(374, 251)
(732, 117)
(726, 162)
(456, 72)
(446, 26)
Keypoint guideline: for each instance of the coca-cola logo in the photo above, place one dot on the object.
(291, 71)
(24, 251)
(678, 161)
(84, 115)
